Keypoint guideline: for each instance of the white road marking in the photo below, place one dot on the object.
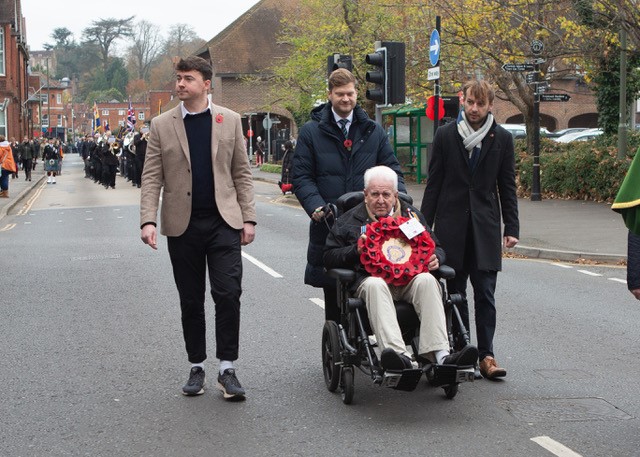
(590, 273)
(261, 265)
(89, 219)
(562, 265)
(554, 447)
(318, 301)
(623, 281)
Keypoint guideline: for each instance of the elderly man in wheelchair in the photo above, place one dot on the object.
(381, 252)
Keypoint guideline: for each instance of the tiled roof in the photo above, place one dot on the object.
(249, 45)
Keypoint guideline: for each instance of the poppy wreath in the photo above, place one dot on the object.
(378, 256)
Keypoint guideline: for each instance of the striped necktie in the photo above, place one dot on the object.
(343, 126)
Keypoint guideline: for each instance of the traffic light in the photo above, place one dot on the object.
(336, 61)
(378, 76)
(396, 87)
(388, 77)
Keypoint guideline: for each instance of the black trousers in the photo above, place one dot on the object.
(484, 304)
(209, 243)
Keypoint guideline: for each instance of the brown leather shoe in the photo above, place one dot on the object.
(490, 369)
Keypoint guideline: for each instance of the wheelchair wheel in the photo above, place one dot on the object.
(450, 391)
(331, 355)
(347, 385)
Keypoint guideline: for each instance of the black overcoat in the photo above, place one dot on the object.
(457, 198)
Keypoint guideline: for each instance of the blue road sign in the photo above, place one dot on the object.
(434, 48)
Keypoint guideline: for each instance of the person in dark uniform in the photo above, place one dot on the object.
(140, 142)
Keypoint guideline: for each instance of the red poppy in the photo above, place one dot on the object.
(347, 144)
(219, 118)
(375, 256)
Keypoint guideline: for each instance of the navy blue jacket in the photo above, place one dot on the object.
(323, 170)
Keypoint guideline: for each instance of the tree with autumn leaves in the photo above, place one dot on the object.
(478, 37)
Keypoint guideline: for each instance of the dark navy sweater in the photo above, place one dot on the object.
(198, 127)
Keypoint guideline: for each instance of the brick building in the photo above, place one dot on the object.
(241, 55)
(14, 57)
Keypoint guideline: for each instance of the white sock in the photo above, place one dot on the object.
(224, 365)
(440, 355)
(201, 365)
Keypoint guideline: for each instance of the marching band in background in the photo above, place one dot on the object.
(104, 155)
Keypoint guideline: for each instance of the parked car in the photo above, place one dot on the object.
(518, 131)
(584, 135)
(559, 133)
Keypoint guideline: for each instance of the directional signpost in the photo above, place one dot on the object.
(518, 67)
(434, 48)
(433, 74)
(554, 97)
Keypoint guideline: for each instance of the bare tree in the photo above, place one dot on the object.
(104, 32)
(181, 39)
(147, 44)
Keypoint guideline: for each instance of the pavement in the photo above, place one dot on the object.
(562, 230)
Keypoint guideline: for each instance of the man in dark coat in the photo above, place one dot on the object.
(471, 183)
(329, 161)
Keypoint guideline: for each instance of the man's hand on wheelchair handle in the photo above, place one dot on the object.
(318, 214)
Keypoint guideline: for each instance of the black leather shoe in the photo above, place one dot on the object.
(468, 355)
(392, 361)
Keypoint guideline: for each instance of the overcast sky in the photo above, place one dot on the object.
(206, 17)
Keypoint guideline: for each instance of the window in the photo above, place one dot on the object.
(59, 121)
(3, 119)
(141, 116)
(105, 112)
(1, 51)
(45, 120)
(120, 112)
(121, 123)
(59, 99)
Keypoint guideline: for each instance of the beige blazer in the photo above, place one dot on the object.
(167, 166)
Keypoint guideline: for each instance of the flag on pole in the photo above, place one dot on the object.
(131, 117)
(96, 117)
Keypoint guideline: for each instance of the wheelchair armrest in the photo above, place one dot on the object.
(342, 274)
(445, 272)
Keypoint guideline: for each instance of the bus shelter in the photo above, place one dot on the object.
(410, 133)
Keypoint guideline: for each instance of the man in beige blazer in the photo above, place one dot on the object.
(196, 155)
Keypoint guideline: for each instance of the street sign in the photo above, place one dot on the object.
(518, 67)
(249, 133)
(434, 48)
(531, 77)
(268, 122)
(537, 47)
(433, 73)
(555, 97)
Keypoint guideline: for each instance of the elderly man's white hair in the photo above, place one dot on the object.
(382, 173)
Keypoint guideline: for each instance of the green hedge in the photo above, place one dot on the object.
(581, 170)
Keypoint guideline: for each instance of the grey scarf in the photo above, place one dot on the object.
(472, 138)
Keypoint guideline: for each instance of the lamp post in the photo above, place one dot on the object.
(48, 99)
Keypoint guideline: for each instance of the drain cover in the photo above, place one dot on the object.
(564, 410)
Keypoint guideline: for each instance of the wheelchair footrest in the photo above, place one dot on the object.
(440, 375)
(402, 380)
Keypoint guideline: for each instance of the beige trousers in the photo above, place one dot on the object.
(424, 292)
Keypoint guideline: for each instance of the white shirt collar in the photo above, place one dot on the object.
(185, 112)
(337, 118)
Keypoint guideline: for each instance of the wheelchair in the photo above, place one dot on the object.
(349, 344)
